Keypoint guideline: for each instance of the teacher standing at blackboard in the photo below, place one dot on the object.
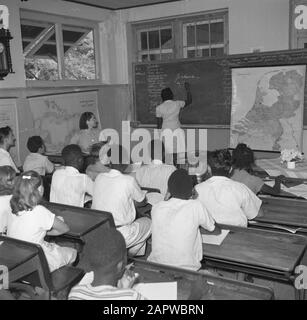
(167, 115)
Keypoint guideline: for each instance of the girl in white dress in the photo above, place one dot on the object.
(31, 222)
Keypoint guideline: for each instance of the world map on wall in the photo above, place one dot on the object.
(56, 117)
(267, 107)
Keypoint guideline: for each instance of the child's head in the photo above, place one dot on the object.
(36, 144)
(7, 138)
(242, 157)
(219, 162)
(180, 184)
(117, 154)
(7, 176)
(73, 156)
(27, 192)
(167, 94)
(95, 151)
(108, 258)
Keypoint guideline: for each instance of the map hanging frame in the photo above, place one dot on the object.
(267, 107)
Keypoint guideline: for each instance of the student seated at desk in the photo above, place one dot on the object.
(108, 280)
(229, 202)
(68, 185)
(242, 171)
(31, 222)
(7, 176)
(36, 160)
(98, 150)
(176, 238)
(155, 174)
(7, 141)
(116, 192)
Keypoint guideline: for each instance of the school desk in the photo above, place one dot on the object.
(18, 260)
(274, 168)
(282, 213)
(86, 228)
(196, 286)
(268, 254)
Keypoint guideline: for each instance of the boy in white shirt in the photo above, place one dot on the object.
(176, 238)
(156, 174)
(116, 192)
(68, 185)
(36, 160)
(229, 202)
(7, 141)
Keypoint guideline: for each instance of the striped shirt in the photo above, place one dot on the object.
(105, 292)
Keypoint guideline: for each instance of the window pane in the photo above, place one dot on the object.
(217, 32)
(154, 57)
(144, 58)
(190, 36)
(217, 51)
(41, 69)
(203, 52)
(191, 53)
(154, 39)
(79, 57)
(166, 38)
(143, 40)
(166, 56)
(202, 34)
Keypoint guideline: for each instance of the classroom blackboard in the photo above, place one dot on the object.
(206, 78)
(211, 85)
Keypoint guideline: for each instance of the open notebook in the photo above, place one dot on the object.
(215, 239)
(157, 290)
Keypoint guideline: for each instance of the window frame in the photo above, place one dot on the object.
(58, 21)
(177, 23)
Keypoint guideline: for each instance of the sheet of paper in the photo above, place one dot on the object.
(215, 239)
(157, 290)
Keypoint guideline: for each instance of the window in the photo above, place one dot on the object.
(196, 36)
(54, 50)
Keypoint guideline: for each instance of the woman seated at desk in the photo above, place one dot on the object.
(88, 134)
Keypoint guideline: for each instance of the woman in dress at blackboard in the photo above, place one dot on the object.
(167, 115)
(88, 134)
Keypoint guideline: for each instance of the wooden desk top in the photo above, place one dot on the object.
(12, 256)
(253, 248)
(80, 220)
(194, 285)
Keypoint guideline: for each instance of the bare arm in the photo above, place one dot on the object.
(159, 123)
(59, 227)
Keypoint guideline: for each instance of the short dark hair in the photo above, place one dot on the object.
(34, 143)
(220, 162)
(71, 154)
(25, 192)
(106, 253)
(95, 148)
(85, 116)
(167, 94)
(242, 157)
(7, 176)
(4, 133)
(122, 154)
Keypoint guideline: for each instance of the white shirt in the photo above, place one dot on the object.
(169, 112)
(115, 192)
(229, 202)
(6, 159)
(5, 211)
(69, 186)
(155, 175)
(30, 225)
(176, 239)
(38, 163)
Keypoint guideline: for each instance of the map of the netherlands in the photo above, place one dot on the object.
(267, 107)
